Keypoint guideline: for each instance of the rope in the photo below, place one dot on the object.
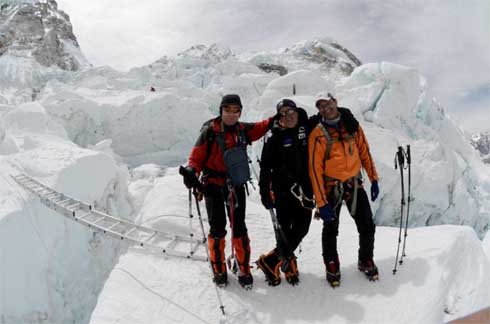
(161, 296)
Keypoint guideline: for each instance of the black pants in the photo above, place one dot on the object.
(365, 227)
(294, 220)
(216, 198)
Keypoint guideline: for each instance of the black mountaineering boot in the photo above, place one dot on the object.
(246, 281)
(290, 269)
(220, 279)
(369, 269)
(270, 265)
(333, 273)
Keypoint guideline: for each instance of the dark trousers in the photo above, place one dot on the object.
(294, 220)
(216, 198)
(365, 227)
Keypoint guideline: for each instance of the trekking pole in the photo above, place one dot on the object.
(407, 155)
(191, 233)
(204, 240)
(400, 158)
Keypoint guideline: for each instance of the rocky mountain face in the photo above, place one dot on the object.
(37, 44)
(323, 54)
(40, 29)
(214, 54)
(481, 142)
(328, 53)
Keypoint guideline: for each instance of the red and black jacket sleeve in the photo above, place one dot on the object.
(256, 130)
(199, 153)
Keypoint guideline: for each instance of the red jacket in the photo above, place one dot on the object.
(207, 155)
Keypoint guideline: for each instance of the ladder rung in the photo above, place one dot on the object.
(98, 220)
(171, 244)
(50, 192)
(195, 247)
(35, 186)
(83, 216)
(27, 180)
(149, 237)
(54, 194)
(71, 207)
(130, 231)
(40, 191)
(63, 201)
(57, 200)
(113, 225)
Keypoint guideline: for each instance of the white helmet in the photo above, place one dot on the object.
(324, 96)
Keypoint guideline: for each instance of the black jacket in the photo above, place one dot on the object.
(284, 160)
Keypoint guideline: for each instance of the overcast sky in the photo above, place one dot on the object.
(448, 41)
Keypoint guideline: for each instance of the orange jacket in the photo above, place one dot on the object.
(208, 156)
(347, 154)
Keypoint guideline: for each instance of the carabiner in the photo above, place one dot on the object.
(301, 196)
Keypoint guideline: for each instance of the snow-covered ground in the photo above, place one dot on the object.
(445, 275)
(51, 269)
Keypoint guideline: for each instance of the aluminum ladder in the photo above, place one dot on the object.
(85, 214)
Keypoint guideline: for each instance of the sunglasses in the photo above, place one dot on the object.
(232, 109)
(288, 112)
(326, 105)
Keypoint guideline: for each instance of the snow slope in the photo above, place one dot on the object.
(51, 269)
(486, 244)
(446, 274)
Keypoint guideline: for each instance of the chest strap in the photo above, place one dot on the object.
(331, 141)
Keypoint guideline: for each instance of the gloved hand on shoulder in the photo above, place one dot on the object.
(190, 177)
(374, 190)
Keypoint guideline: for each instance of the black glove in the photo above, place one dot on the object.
(327, 213)
(374, 190)
(266, 199)
(190, 177)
